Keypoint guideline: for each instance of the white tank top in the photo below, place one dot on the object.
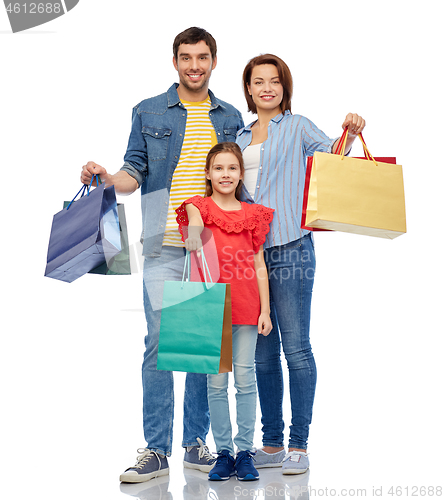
(252, 159)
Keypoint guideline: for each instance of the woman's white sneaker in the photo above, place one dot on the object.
(295, 462)
(262, 459)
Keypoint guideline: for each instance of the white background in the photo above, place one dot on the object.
(71, 354)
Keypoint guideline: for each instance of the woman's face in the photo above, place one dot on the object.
(265, 88)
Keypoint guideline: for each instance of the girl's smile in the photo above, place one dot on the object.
(224, 173)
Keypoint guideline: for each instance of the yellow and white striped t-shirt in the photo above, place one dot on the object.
(189, 175)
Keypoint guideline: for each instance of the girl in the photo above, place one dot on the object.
(239, 230)
(275, 147)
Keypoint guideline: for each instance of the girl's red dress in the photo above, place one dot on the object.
(236, 236)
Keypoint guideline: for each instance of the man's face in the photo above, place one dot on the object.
(194, 65)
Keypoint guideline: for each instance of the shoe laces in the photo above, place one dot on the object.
(222, 458)
(295, 456)
(142, 459)
(203, 451)
(245, 456)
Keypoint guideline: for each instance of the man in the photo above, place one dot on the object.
(170, 137)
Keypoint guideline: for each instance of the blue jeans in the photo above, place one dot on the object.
(158, 389)
(291, 270)
(244, 344)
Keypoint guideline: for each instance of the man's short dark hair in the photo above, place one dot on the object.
(191, 36)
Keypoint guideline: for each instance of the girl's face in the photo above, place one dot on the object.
(225, 173)
(265, 88)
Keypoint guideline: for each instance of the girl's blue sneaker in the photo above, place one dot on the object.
(245, 469)
(224, 467)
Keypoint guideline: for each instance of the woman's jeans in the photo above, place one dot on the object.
(158, 390)
(291, 270)
(244, 344)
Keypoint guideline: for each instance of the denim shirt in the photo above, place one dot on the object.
(281, 174)
(154, 146)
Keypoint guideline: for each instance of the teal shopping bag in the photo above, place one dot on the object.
(195, 326)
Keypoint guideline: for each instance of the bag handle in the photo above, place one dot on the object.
(341, 142)
(366, 151)
(84, 187)
(187, 265)
(205, 268)
(341, 147)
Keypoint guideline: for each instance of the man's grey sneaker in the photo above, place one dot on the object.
(263, 459)
(295, 462)
(154, 489)
(199, 457)
(149, 464)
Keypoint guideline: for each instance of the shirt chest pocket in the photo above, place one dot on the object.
(156, 142)
(230, 134)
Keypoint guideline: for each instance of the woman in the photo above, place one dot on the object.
(275, 147)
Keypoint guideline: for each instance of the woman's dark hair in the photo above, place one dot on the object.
(285, 79)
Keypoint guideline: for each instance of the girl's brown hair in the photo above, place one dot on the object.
(285, 79)
(224, 147)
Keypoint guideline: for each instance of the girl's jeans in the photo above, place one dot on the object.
(158, 391)
(244, 344)
(291, 270)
